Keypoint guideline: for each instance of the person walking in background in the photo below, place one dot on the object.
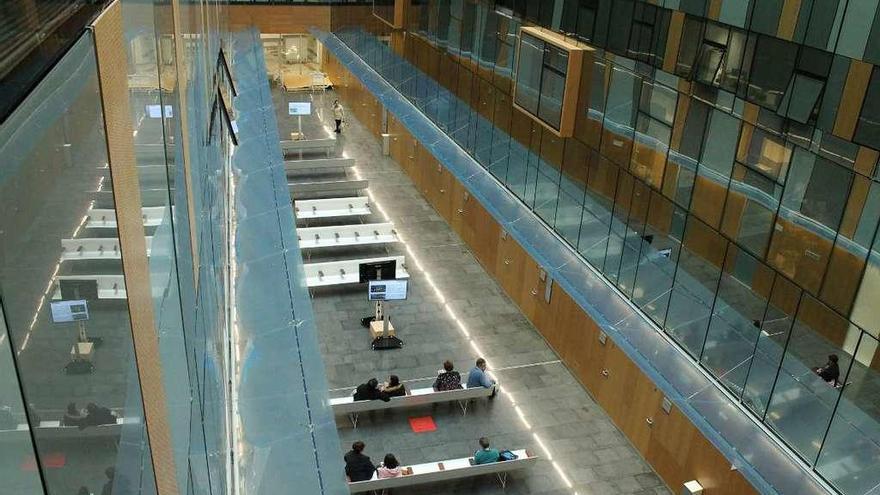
(338, 115)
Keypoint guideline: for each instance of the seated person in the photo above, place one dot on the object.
(72, 417)
(486, 455)
(393, 388)
(358, 466)
(831, 371)
(370, 391)
(447, 378)
(389, 468)
(477, 376)
(97, 415)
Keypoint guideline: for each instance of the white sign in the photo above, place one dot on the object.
(155, 111)
(387, 290)
(299, 107)
(234, 127)
(67, 311)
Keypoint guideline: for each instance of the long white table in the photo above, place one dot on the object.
(361, 234)
(328, 187)
(109, 286)
(293, 166)
(98, 248)
(100, 218)
(346, 271)
(303, 146)
(447, 470)
(415, 397)
(332, 207)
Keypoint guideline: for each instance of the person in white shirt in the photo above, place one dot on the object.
(338, 115)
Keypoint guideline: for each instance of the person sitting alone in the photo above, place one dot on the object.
(72, 417)
(486, 455)
(97, 415)
(477, 376)
(393, 387)
(358, 466)
(447, 378)
(389, 468)
(831, 371)
(370, 391)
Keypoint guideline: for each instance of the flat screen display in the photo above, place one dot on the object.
(68, 311)
(299, 107)
(387, 290)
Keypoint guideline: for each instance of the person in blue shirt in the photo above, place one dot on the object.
(477, 377)
(485, 455)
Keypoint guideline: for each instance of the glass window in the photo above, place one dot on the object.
(817, 188)
(765, 16)
(868, 127)
(528, 73)
(771, 71)
(691, 41)
(662, 236)
(620, 25)
(767, 154)
(749, 213)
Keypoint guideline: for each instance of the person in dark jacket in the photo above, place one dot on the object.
(358, 467)
(393, 388)
(447, 378)
(370, 391)
(831, 371)
(72, 417)
(97, 415)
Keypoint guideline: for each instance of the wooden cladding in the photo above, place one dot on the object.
(112, 64)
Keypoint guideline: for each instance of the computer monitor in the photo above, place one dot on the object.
(377, 270)
(68, 311)
(387, 290)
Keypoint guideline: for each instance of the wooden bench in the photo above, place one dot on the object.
(414, 397)
(303, 146)
(328, 187)
(100, 218)
(450, 469)
(362, 234)
(293, 166)
(99, 248)
(109, 286)
(345, 271)
(332, 207)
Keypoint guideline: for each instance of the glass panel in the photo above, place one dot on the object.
(752, 201)
(696, 281)
(552, 91)
(771, 70)
(768, 154)
(528, 74)
(868, 127)
(817, 188)
(802, 402)
(64, 291)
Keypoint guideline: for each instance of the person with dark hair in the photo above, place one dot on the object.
(447, 378)
(97, 415)
(389, 468)
(831, 371)
(72, 417)
(477, 377)
(358, 466)
(393, 387)
(485, 455)
(338, 115)
(370, 391)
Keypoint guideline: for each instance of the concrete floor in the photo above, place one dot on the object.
(456, 311)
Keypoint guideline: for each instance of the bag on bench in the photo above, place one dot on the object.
(506, 455)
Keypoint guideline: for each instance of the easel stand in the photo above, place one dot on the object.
(382, 331)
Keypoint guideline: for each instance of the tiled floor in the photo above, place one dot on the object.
(456, 311)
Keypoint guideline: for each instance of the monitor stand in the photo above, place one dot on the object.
(382, 330)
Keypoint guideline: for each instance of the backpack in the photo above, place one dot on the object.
(506, 455)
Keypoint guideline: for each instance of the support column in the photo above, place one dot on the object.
(112, 74)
